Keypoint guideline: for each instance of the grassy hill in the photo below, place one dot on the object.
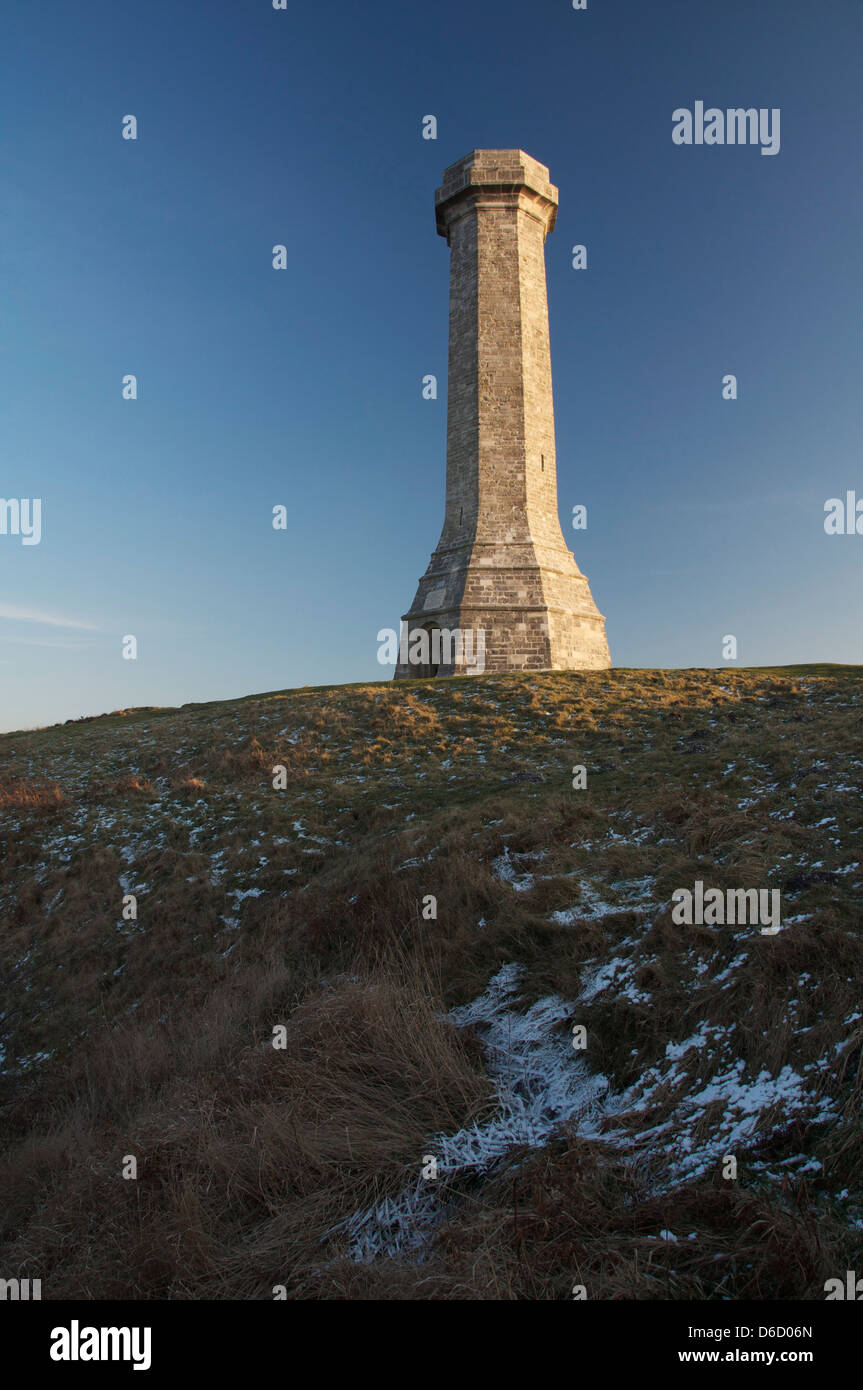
(418, 1030)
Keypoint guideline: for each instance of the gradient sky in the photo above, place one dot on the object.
(303, 387)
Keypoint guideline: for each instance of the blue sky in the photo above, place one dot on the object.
(303, 387)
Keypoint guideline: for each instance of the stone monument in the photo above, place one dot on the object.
(502, 567)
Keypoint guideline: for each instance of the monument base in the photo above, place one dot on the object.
(515, 607)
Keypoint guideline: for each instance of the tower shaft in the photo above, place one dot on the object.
(501, 565)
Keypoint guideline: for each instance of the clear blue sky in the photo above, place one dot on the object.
(303, 387)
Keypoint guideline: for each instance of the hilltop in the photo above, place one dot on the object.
(429, 907)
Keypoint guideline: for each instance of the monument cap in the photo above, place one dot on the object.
(500, 175)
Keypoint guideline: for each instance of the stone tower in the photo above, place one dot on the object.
(501, 566)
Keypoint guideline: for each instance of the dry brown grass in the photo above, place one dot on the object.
(152, 1035)
(252, 1154)
(37, 797)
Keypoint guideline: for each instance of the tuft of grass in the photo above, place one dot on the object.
(30, 795)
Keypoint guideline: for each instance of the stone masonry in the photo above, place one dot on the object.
(502, 564)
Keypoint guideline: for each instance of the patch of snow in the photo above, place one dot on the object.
(540, 1081)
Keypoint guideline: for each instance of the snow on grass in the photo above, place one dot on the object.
(634, 895)
(681, 1146)
(505, 869)
(617, 974)
(540, 1084)
(238, 894)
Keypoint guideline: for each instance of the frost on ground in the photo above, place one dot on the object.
(681, 1147)
(505, 869)
(634, 895)
(542, 1084)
